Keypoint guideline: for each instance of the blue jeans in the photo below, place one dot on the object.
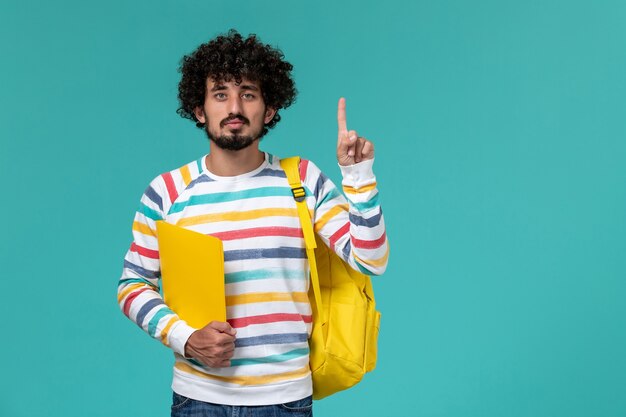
(186, 407)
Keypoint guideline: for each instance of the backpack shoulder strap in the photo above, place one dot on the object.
(290, 166)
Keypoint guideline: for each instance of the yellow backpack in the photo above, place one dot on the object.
(343, 343)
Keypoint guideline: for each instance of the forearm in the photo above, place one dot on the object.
(138, 292)
(139, 299)
(367, 242)
(353, 226)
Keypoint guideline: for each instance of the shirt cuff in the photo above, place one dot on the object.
(179, 333)
(358, 174)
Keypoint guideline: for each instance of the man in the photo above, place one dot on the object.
(233, 88)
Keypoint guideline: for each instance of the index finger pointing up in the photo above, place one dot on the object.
(341, 116)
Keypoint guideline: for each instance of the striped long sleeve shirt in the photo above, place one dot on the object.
(265, 266)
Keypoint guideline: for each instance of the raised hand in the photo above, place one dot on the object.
(351, 149)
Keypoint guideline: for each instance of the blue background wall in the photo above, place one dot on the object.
(501, 142)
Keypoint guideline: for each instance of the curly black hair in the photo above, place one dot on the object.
(231, 57)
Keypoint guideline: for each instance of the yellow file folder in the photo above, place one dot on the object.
(192, 274)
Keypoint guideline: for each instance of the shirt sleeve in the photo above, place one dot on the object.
(350, 223)
(138, 292)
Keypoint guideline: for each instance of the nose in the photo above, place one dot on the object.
(234, 105)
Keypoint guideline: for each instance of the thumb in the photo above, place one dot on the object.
(222, 327)
(346, 144)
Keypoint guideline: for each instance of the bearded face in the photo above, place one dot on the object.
(234, 113)
(236, 139)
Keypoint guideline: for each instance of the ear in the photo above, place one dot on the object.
(269, 115)
(199, 113)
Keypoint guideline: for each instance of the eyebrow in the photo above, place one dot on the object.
(220, 87)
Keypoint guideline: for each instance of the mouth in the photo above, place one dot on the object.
(235, 124)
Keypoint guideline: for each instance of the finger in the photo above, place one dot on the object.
(223, 327)
(221, 353)
(368, 150)
(341, 116)
(224, 339)
(218, 363)
(358, 149)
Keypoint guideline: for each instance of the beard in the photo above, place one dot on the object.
(234, 142)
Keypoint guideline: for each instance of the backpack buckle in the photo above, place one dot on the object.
(298, 193)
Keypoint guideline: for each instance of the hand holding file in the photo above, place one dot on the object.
(213, 345)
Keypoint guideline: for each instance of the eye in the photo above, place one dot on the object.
(220, 96)
(248, 96)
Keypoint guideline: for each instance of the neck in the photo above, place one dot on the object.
(227, 163)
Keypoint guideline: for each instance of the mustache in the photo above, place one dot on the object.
(234, 117)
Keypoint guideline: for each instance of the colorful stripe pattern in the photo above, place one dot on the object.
(266, 269)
